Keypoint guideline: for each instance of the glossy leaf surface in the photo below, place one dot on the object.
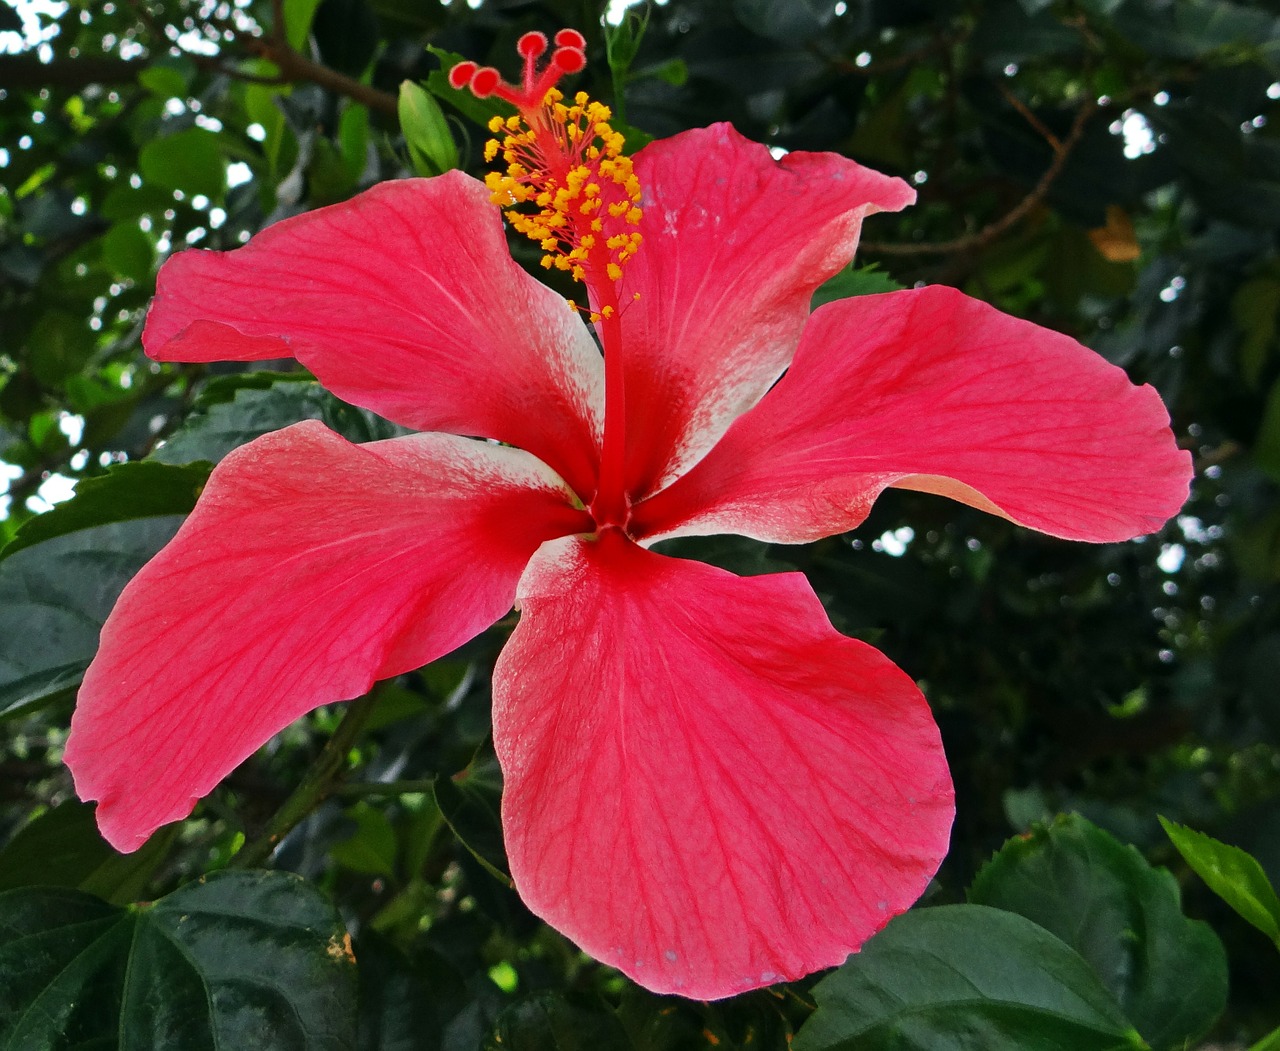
(1233, 874)
(957, 977)
(1167, 972)
(240, 959)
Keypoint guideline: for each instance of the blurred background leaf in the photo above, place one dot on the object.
(1109, 168)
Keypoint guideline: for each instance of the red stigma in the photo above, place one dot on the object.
(569, 56)
(486, 81)
(571, 38)
(533, 45)
(569, 59)
(460, 75)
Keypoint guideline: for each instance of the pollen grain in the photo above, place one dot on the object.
(563, 162)
(567, 185)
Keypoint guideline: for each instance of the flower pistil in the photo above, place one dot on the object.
(569, 187)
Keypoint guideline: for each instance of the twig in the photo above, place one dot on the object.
(295, 67)
(980, 238)
(364, 789)
(907, 58)
(315, 787)
(1030, 118)
(27, 71)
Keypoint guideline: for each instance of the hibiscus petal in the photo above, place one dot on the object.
(706, 786)
(931, 390)
(404, 300)
(734, 245)
(309, 569)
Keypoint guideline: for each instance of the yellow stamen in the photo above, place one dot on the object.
(564, 162)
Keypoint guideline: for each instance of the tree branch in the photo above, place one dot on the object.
(367, 789)
(886, 65)
(317, 784)
(981, 238)
(26, 71)
(296, 67)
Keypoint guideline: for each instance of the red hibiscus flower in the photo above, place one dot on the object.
(706, 785)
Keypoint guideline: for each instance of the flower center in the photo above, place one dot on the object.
(569, 187)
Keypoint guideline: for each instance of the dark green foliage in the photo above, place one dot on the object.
(179, 972)
(54, 597)
(964, 976)
(236, 409)
(1109, 168)
(62, 848)
(1167, 973)
(1231, 873)
(551, 1022)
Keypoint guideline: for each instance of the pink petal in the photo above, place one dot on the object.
(309, 569)
(931, 390)
(706, 786)
(734, 245)
(404, 300)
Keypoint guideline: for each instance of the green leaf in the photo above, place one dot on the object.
(1266, 448)
(54, 598)
(329, 178)
(189, 160)
(78, 117)
(126, 492)
(551, 1022)
(298, 15)
(469, 803)
(165, 82)
(479, 111)
(959, 977)
(426, 132)
(58, 346)
(663, 1023)
(346, 34)
(1256, 308)
(1194, 29)
(245, 407)
(124, 203)
(59, 848)
(236, 960)
(261, 103)
(793, 22)
(1098, 8)
(853, 281)
(58, 967)
(622, 41)
(1232, 874)
(63, 570)
(62, 848)
(124, 878)
(372, 847)
(404, 1005)
(1270, 1042)
(128, 252)
(675, 71)
(1168, 973)
(353, 139)
(1007, 32)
